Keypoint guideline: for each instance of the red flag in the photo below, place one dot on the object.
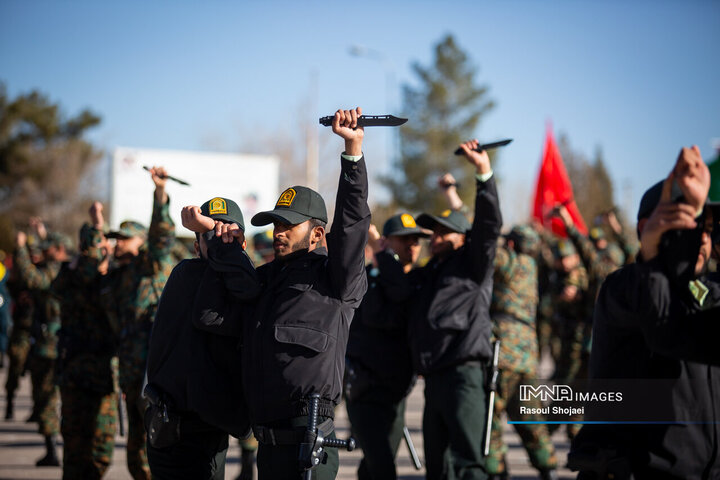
(553, 188)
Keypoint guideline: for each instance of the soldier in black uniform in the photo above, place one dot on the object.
(379, 371)
(645, 327)
(193, 367)
(450, 328)
(295, 333)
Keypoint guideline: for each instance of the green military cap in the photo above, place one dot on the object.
(402, 224)
(128, 229)
(296, 205)
(564, 248)
(526, 239)
(596, 233)
(56, 239)
(223, 209)
(451, 219)
(263, 241)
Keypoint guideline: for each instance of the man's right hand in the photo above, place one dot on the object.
(667, 215)
(375, 240)
(96, 215)
(345, 125)
(693, 177)
(480, 160)
(20, 239)
(195, 221)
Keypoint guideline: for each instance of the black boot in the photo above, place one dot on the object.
(9, 410)
(549, 474)
(248, 462)
(50, 459)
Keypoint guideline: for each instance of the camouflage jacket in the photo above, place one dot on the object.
(134, 291)
(515, 285)
(88, 336)
(572, 310)
(46, 308)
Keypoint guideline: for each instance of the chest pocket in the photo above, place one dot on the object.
(305, 336)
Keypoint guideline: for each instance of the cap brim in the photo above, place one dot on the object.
(287, 217)
(403, 232)
(430, 221)
(116, 235)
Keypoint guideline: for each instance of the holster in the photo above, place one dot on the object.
(161, 423)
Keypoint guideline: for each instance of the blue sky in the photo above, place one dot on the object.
(637, 78)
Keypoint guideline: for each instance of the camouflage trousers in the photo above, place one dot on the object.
(17, 353)
(133, 358)
(89, 423)
(518, 362)
(574, 362)
(535, 437)
(137, 460)
(46, 395)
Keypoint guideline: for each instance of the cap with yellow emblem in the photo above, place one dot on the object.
(402, 224)
(223, 209)
(451, 219)
(296, 205)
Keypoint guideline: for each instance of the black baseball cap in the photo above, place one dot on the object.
(651, 198)
(451, 219)
(402, 224)
(295, 205)
(223, 209)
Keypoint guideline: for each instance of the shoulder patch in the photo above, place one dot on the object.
(446, 213)
(217, 206)
(408, 221)
(286, 198)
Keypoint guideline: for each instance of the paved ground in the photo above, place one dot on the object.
(21, 446)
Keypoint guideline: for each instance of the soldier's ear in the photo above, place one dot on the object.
(317, 235)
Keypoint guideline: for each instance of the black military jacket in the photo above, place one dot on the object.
(295, 333)
(647, 325)
(378, 346)
(450, 321)
(194, 355)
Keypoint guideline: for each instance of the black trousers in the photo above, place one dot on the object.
(199, 455)
(280, 462)
(454, 423)
(378, 428)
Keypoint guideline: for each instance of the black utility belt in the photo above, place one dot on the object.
(289, 436)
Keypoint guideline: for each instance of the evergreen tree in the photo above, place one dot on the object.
(444, 109)
(43, 162)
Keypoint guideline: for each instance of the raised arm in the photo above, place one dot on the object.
(487, 222)
(161, 233)
(349, 230)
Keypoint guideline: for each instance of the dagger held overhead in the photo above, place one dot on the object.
(174, 179)
(369, 121)
(487, 146)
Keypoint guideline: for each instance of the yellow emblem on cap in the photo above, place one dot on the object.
(446, 213)
(217, 206)
(408, 221)
(286, 198)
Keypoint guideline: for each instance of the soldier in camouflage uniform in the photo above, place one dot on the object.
(137, 282)
(46, 323)
(513, 309)
(569, 299)
(87, 356)
(19, 342)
